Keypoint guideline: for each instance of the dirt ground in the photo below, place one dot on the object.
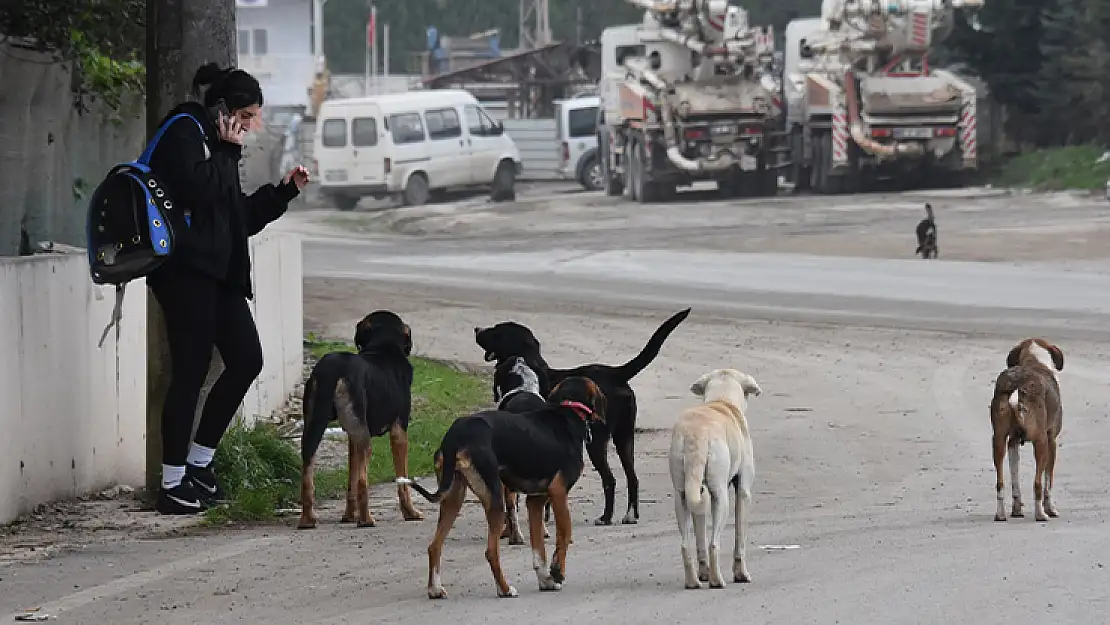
(872, 444)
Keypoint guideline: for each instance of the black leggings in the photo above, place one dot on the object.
(201, 313)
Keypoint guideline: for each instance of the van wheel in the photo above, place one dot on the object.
(592, 178)
(504, 183)
(416, 190)
(346, 202)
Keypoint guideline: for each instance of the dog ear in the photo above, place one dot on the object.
(363, 333)
(751, 387)
(698, 387)
(1012, 357)
(1057, 357)
(600, 404)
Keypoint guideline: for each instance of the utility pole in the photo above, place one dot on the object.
(181, 35)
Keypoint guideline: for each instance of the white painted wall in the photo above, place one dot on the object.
(73, 415)
(286, 67)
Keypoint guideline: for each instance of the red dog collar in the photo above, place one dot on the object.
(581, 409)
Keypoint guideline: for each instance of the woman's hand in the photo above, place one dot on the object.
(299, 176)
(231, 130)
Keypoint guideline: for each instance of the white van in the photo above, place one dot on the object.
(411, 145)
(576, 140)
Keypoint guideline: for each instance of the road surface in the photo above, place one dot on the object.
(872, 436)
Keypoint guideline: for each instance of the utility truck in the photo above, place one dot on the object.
(687, 95)
(862, 102)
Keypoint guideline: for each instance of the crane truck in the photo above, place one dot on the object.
(688, 95)
(862, 102)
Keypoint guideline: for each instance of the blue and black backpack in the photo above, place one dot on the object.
(130, 223)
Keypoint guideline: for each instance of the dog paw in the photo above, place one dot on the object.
(557, 574)
(603, 521)
(364, 524)
(516, 540)
(347, 518)
(630, 519)
(548, 584)
(508, 594)
(412, 515)
(437, 592)
(693, 585)
(546, 534)
(1000, 517)
(306, 524)
(743, 577)
(719, 583)
(1050, 510)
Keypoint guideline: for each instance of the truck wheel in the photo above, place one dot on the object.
(416, 190)
(646, 189)
(799, 171)
(504, 183)
(614, 186)
(821, 179)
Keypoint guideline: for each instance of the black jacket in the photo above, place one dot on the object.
(206, 183)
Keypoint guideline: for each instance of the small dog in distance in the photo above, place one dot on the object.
(927, 235)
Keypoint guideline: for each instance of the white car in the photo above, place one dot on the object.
(411, 145)
(576, 140)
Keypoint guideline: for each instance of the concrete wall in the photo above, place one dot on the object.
(52, 156)
(75, 415)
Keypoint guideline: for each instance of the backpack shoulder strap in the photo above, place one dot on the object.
(144, 159)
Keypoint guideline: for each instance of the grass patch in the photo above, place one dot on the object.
(1056, 169)
(261, 471)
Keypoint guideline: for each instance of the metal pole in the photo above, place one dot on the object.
(366, 70)
(318, 27)
(374, 46)
(385, 53)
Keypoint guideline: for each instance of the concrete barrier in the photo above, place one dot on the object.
(74, 415)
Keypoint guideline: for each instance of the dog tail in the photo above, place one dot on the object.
(319, 406)
(445, 463)
(633, 367)
(695, 455)
(1018, 405)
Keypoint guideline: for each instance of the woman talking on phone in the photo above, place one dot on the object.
(204, 287)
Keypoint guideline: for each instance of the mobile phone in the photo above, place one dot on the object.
(221, 110)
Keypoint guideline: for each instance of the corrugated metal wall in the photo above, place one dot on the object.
(534, 137)
(538, 152)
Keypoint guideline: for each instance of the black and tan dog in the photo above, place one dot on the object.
(927, 234)
(516, 389)
(369, 394)
(538, 453)
(1026, 407)
(508, 339)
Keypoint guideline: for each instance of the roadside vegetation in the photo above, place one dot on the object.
(260, 467)
(1055, 169)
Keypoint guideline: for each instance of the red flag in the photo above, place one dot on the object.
(371, 28)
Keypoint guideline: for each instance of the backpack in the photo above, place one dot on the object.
(130, 223)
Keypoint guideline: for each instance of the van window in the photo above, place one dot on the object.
(364, 132)
(406, 128)
(333, 134)
(582, 122)
(477, 121)
(623, 52)
(443, 123)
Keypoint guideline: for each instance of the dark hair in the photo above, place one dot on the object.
(237, 88)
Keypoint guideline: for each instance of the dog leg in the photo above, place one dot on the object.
(546, 518)
(308, 496)
(684, 518)
(625, 452)
(449, 509)
(480, 474)
(561, 507)
(998, 444)
(701, 522)
(1015, 478)
(495, 517)
(535, 506)
(399, 445)
(349, 510)
(743, 503)
(1050, 472)
(512, 528)
(718, 500)
(360, 485)
(596, 450)
(1040, 454)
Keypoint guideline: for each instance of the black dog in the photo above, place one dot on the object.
(508, 339)
(538, 453)
(927, 235)
(369, 393)
(516, 389)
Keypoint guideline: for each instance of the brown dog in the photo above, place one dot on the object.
(1026, 407)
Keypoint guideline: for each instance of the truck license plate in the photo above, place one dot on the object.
(336, 175)
(913, 133)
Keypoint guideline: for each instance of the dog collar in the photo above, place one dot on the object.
(582, 410)
(515, 391)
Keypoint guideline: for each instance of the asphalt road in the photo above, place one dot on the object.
(871, 439)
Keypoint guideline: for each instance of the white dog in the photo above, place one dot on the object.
(711, 449)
